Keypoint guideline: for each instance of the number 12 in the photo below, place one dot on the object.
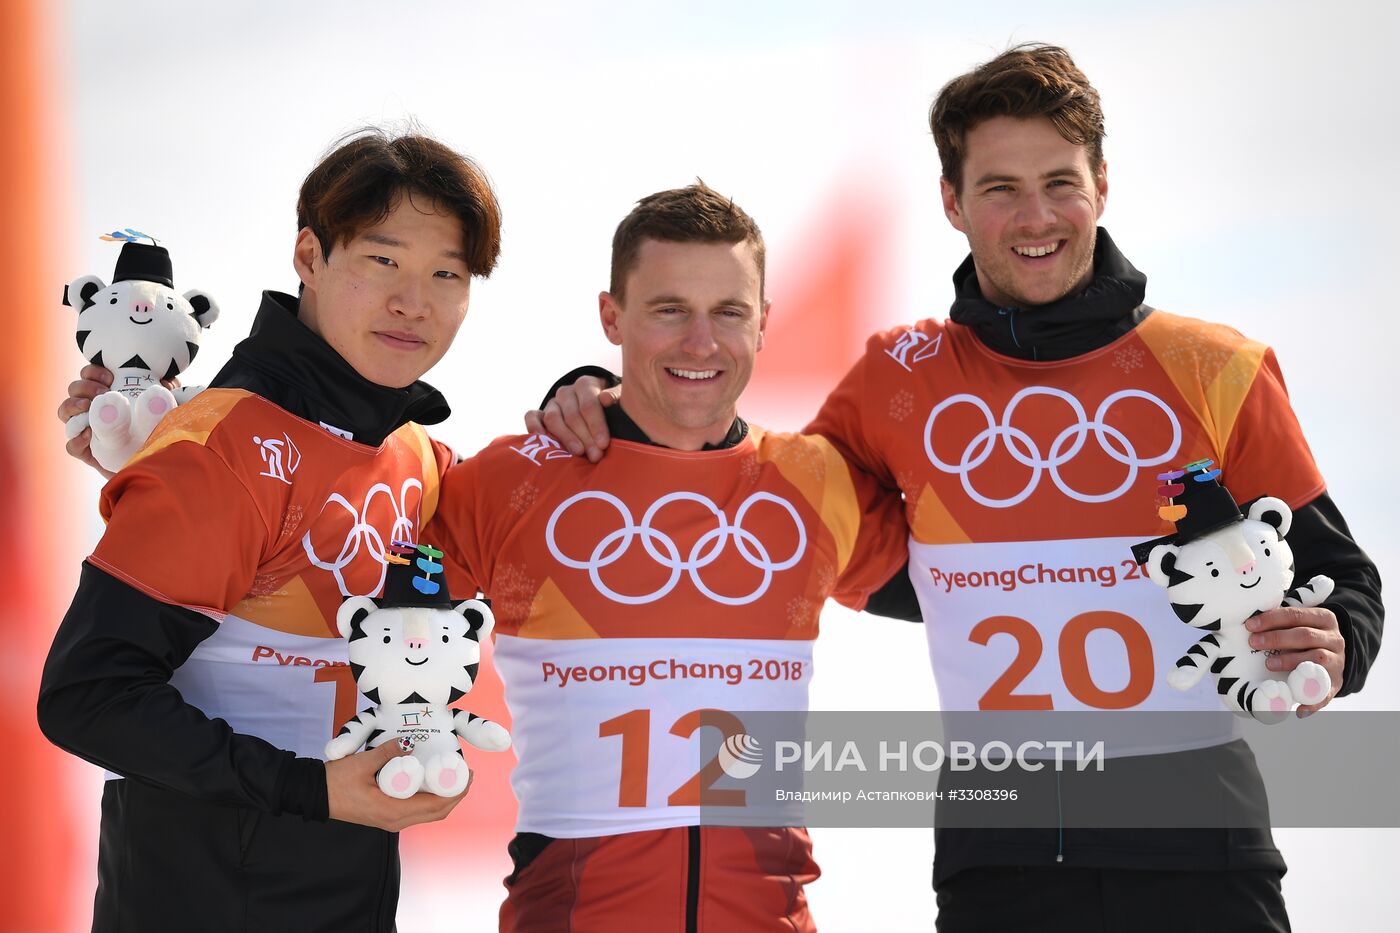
(635, 729)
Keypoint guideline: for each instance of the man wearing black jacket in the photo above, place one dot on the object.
(200, 661)
(1049, 333)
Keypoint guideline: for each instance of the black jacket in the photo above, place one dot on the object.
(211, 829)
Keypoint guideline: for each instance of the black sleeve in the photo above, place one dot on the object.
(896, 599)
(573, 376)
(1322, 543)
(106, 697)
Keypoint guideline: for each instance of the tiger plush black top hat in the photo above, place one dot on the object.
(1196, 503)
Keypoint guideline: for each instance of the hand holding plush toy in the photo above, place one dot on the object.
(144, 331)
(1221, 569)
(413, 653)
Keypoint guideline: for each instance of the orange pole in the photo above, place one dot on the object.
(37, 567)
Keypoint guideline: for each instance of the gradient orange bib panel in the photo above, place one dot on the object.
(1026, 482)
(264, 522)
(632, 595)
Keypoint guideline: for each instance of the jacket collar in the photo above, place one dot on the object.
(282, 360)
(1107, 309)
(623, 428)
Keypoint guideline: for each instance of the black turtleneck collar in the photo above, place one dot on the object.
(623, 428)
(620, 424)
(286, 363)
(1107, 309)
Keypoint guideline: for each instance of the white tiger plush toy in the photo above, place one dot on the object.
(1220, 577)
(144, 331)
(413, 653)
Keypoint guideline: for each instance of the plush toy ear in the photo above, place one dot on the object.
(480, 620)
(79, 292)
(1161, 564)
(351, 614)
(206, 312)
(1272, 511)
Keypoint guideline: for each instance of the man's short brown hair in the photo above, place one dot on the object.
(1028, 80)
(363, 178)
(694, 214)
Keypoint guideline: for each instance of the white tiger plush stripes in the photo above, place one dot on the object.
(1219, 581)
(412, 662)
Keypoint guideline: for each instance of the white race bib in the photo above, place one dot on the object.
(1058, 625)
(608, 731)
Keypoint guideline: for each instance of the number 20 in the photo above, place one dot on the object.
(1074, 661)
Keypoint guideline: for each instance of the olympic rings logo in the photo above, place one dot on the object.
(662, 549)
(364, 532)
(1065, 447)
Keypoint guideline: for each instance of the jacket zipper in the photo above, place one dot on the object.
(692, 883)
(1060, 822)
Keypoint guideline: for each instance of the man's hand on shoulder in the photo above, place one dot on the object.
(354, 797)
(574, 416)
(1298, 634)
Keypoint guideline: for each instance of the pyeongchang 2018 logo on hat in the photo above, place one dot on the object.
(1032, 440)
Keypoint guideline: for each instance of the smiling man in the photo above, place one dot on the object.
(1046, 404)
(639, 599)
(685, 369)
(200, 662)
(415, 252)
(1029, 201)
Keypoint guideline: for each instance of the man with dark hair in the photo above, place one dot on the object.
(1049, 333)
(636, 598)
(695, 214)
(1045, 403)
(199, 661)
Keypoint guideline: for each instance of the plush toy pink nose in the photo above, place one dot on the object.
(1247, 568)
(415, 633)
(141, 307)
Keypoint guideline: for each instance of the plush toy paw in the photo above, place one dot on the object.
(1271, 702)
(113, 441)
(184, 393)
(486, 735)
(110, 416)
(342, 745)
(402, 777)
(1318, 589)
(75, 425)
(1309, 682)
(1184, 678)
(150, 406)
(446, 775)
